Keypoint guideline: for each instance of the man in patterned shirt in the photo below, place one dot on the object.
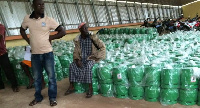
(88, 50)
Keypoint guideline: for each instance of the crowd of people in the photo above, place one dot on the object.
(88, 50)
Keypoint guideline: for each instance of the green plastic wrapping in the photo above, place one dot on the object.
(57, 62)
(143, 31)
(59, 74)
(198, 98)
(127, 31)
(121, 91)
(79, 87)
(131, 31)
(65, 72)
(64, 61)
(152, 93)
(152, 76)
(188, 96)
(121, 31)
(58, 68)
(170, 78)
(95, 86)
(136, 92)
(106, 90)
(21, 77)
(137, 31)
(46, 79)
(129, 41)
(112, 31)
(94, 71)
(16, 64)
(117, 45)
(135, 75)
(120, 75)
(105, 72)
(169, 96)
(187, 79)
(150, 31)
(107, 81)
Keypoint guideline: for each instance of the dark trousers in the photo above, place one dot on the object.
(8, 69)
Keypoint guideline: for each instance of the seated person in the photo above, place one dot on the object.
(26, 64)
(88, 50)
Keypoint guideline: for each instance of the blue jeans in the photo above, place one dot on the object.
(46, 61)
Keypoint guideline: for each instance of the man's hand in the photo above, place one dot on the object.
(92, 58)
(50, 38)
(79, 63)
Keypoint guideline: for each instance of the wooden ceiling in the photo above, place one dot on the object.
(163, 2)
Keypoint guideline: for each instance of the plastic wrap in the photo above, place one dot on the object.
(121, 91)
(198, 98)
(127, 30)
(170, 78)
(57, 62)
(16, 64)
(64, 61)
(152, 76)
(143, 31)
(21, 77)
(94, 71)
(95, 86)
(106, 90)
(152, 93)
(135, 75)
(58, 68)
(188, 96)
(105, 72)
(46, 78)
(169, 96)
(79, 87)
(59, 74)
(65, 72)
(120, 75)
(137, 31)
(187, 79)
(136, 92)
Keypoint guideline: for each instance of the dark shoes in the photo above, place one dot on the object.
(89, 94)
(69, 91)
(53, 103)
(15, 89)
(34, 102)
(29, 87)
(2, 87)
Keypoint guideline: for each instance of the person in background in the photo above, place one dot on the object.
(88, 50)
(26, 64)
(5, 62)
(42, 53)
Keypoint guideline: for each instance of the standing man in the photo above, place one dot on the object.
(42, 56)
(88, 50)
(5, 62)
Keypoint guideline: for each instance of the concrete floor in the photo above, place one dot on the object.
(9, 99)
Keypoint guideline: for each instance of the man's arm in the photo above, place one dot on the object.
(24, 35)
(60, 34)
